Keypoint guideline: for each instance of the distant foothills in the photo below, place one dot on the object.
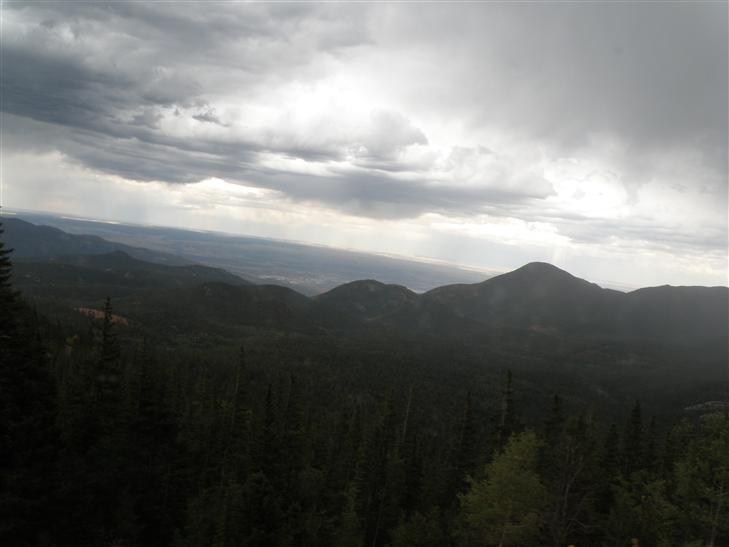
(310, 269)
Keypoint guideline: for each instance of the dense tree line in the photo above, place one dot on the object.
(109, 437)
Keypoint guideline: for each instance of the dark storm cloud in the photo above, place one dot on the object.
(667, 238)
(377, 196)
(208, 116)
(116, 93)
(83, 64)
(98, 80)
(118, 99)
(653, 73)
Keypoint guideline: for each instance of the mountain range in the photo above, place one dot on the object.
(666, 343)
(309, 269)
(536, 298)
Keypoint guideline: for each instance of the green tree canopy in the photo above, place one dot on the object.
(505, 508)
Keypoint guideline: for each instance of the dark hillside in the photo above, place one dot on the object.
(41, 242)
(542, 298)
(219, 306)
(365, 301)
(96, 276)
(538, 297)
(679, 313)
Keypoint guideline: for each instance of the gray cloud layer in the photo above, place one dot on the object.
(651, 72)
(98, 82)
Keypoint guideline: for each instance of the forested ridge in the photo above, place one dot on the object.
(267, 436)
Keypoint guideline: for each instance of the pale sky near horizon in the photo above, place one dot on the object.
(590, 135)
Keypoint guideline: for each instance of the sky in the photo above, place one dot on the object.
(590, 135)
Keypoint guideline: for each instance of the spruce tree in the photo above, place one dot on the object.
(293, 439)
(609, 461)
(553, 424)
(507, 421)
(107, 459)
(570, 479)
(467, 454)
(28, 435)
(9, 299)
(268, 457)
(650, 456)
(373, 490)
(239, 414)
(237, 449)
(702, 484)
(413, 467)
(153, 434)
(633, 441)
(109, 374)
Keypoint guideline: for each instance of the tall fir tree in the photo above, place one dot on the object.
(555, 421)
(467, 450)
(9, 299)
(508, 424)
(153, 434)
(632, 457)
(28, 434)
(609, 461)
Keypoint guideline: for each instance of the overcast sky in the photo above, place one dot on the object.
(593, 136)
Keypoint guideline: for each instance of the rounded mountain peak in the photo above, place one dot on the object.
(540, 274)
(364, 288)
(542, 268)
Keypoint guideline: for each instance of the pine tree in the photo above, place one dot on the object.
(268, 454)
(633, 445)
(263, 513)
(610, 469)
(293, 446)
(107, 459)
(420, 531)
(650, 455)
(10, 304)
(702, 484)
(467, 453)
(239, 414)
(28, 435)
(569, 476)
(413, 468)
(553, 424)
(348, 532)
(153, 434)
(237, 443)
(108, 412)
(373, 490)
(508, 421)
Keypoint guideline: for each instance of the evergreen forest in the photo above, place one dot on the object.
(124, 433)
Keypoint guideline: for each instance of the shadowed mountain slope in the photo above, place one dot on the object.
(309, 269)
(676, 312)
(220, 306)
(543, 298)
(536, 299)
(537, 296)
(41, 242)
(364, 301)
(115, 274)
